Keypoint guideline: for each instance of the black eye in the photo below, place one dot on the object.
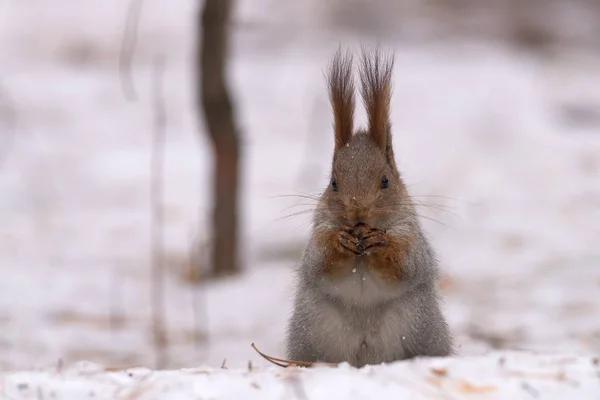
(384, 182)
(334, 185)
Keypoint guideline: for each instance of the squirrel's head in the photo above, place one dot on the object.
(365, 185)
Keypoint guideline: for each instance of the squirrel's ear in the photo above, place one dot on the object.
(376, 90)
(341, 95)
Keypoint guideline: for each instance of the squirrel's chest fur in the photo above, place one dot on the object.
(359, 335)
(358, 287)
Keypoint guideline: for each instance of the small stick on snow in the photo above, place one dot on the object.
(291, 363)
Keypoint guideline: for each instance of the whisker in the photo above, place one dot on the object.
(440, 197)
(295, 214)
(298, 205)
(419, 215)
(424, 201)
(416, 203)
(438, 208)
(301, 196)
(434, 220)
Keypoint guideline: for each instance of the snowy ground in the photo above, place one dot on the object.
(500, 375)
(506, 144)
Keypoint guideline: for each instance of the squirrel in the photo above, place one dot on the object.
(366, 287)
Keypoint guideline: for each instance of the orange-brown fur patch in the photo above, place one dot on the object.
(386, 261)
(336, 257)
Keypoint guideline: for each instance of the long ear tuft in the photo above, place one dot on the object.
(340, 83)
(376, 89)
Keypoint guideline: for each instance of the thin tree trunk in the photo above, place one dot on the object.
(219, 115)
(157, 229)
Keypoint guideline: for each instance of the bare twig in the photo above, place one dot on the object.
(60, 365)
(115, 305)
(128, 44)
(156, 167)
(530, 389)
(281, 362)
(7, 124)
(200, 318)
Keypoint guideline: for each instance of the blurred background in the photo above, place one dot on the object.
(109, 137)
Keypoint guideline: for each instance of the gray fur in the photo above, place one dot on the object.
(330, 324)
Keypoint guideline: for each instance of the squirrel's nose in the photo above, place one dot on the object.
(359, 215)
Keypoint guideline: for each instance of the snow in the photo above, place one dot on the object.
(509, 182)
(498, 375)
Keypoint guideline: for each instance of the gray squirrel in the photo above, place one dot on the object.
(366, 289)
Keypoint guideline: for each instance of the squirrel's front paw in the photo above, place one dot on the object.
(349, 241)
(373, 239)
